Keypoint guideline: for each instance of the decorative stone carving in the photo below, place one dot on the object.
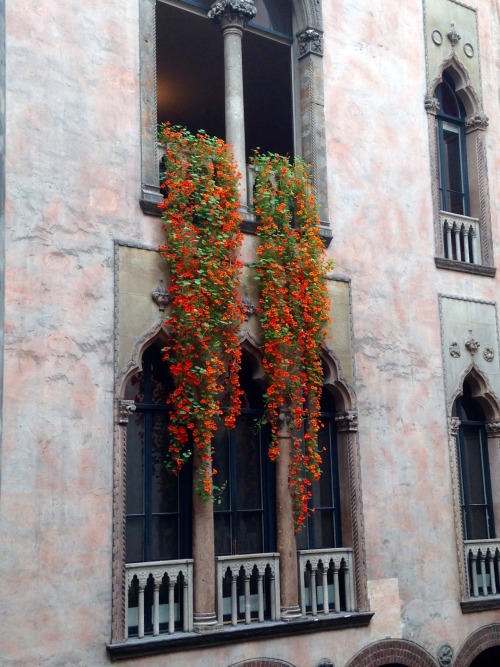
(431, 104)
(310, 41)
(249, 307)
(488, 353)
(437, 37)
(230, 12)
(454, 349)
(453, 36)
(348, 422)
(125, 409)
(161, 296)
(469, 50)
(454, 426)
(445, 655)
(325, 662)
(493, 428)
(478, 121)
(472, 344)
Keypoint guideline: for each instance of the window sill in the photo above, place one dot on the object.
(138, 648)
(153, 197)
(464, 267)
(480, 604)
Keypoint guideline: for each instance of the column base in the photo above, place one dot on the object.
(206, 622)
(290, 614)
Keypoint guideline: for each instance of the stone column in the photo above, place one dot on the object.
(204, 616)
(233, 16)
(286, 544)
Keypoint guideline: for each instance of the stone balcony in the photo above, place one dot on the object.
(461, 238)
(483, 574)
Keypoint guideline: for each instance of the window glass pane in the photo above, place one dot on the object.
(274, 15)
(453, 162)
(135, 464)
(478, 524)
(165, 537)
(322, 529)
(247, 453)
(322, 489)
(447, 97)
(165, 484)
(222, 527)
(472, 454)
(134, 539)
(249, 533)
(221, 464)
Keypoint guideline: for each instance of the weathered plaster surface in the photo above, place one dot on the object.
(73, 185)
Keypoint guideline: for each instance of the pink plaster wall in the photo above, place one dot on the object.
(73, 165)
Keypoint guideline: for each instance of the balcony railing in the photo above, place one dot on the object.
(160, 597)
(248, 588)
(461, 238)
(326, 581)
(483, 567)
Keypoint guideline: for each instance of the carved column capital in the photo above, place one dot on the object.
(347, 422)
(310, 40)
(232, 13)
(454, 426)
(431, 104)
(478, 121)
(493, 429)
(124, 410)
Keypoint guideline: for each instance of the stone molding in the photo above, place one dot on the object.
(310, 40)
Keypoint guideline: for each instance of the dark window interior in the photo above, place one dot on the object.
(190, 77)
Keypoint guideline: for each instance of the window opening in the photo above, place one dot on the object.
(450, 126)
(475, 483)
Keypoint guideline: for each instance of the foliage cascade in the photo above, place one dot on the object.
(203, 238)
(293, 311)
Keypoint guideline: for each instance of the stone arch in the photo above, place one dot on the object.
(463, 85)
(390, 651)
(479, 641)
(308, 14)
(262, 662)
(156, 332)
(335, 382)
(481, 392)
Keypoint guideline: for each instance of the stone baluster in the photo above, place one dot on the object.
(248, 617)
(314, 596)
(185, 604)
(233, 16)
(142, 578)
(493, 579)
(475, 251)
(273, 595)
(475, 591)
(456, 232)
(349, 592)
(482, 565)
(260, 593)
(449, 248)
(336, 590)
(172, 580)
(156, 604)
(466, 244)
(326, 603)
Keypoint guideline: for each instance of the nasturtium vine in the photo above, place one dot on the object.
(291, 272)
(203, 239)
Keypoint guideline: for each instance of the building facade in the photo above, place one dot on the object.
(106, 556)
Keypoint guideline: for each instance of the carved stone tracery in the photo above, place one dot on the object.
(310, 41)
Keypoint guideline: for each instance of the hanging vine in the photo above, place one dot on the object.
(203, 238)
(293, 311)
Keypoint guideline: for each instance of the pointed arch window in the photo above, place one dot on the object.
(474, 468)
(453, 183)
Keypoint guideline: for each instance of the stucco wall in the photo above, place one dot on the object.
(73, 185)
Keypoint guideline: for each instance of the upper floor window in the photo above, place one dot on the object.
(450, 125)
(475, 480)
